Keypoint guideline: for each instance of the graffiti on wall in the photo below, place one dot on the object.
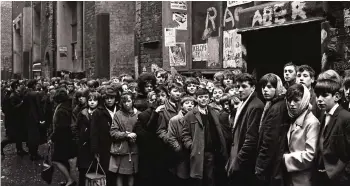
(210, 25)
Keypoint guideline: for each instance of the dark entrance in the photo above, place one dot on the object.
(269, 49)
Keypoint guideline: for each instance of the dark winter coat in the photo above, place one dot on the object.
(85, 155)
(148, 143)
(165, 115)
(245, 137)
(101, 122)
(62, 135)
(15, 125)
(272, 143)
(33, 114)
(193, 139)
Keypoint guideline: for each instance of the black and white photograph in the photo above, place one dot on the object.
(175, 93)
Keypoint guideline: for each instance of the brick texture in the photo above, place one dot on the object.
(90, 38)
(6, 39)
(150, 30)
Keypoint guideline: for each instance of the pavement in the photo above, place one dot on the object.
(21, 171)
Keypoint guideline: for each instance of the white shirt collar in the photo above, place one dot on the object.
(331, 112)
(203, 111)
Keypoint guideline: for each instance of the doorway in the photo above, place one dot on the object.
(268, 50)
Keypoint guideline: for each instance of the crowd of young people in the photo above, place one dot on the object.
(168, 129)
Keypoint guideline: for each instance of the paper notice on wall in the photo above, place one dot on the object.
(63, 51)
(235, 3)
(177, 55)
(170, 37)
(181, 19)
(178, 5)
(232, 51)
(200, 52)
(346, 17)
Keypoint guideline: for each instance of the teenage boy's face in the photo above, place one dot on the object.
(191, 88)
(217, 94)
(244, 90)
(160, 79)
(110, 101)
(305, 78)
(289, 73)
(227, 81)
(162, 96)
(92, 103)
(347, 93)
(327, 101)
(268, 91)
(188, 106)
(175, 95)
(203, 100)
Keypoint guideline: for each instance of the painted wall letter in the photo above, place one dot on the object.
(257, 18)
(211, 17)
(267, 16)
(280, 13)
(297, 10)
(228, 17)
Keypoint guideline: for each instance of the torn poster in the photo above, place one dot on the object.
(200, 52)
(232, 49)
(178, 5)
(177, 55)
(181, 19)
(170, 37)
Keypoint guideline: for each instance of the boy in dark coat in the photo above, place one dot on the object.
(101, 122)
(333, 147)
(203, 136)
(241, 163)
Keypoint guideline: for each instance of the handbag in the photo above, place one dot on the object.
(119, 148)
(47, 166)
(94, 178)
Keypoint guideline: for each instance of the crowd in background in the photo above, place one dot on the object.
(166, 129)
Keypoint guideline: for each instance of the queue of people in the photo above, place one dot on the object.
(167, 129)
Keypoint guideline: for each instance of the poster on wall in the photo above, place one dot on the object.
(63, 51)
(177, 55)
(181, 19)
(170, 36)
(347, 17)
(232, 49)
(178, 5)
(200, 52)
(235, 3)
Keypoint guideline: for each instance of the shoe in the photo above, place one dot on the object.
(22, 153)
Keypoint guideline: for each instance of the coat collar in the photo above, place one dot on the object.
(300, 121)
(331, 122)
(170, 107)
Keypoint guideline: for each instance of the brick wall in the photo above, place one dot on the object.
(6, 39)
(151, 30)
(122, 23)
(90, 38)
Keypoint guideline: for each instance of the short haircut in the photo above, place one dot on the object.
(246, 77)
(224, 98)
(303, 68)
(188, 98)
(325, 86)
(219, 76)
(330, 74)
(123, 97)
(162, 88)
(191, 80)
(228, 88)
(94, 96)
(218, 87)
(268, 78)
(175, 86)
(228, 74)
(202, 91)
(295, 91)
(346, 82)
(290, 64)
(163, 73)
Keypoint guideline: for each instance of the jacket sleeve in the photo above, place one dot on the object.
(186, 133)
(172, 134)
(116, 132)
(269, 141)
(94, 131)
(162, 129)
(248, 150)
(301, 160)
